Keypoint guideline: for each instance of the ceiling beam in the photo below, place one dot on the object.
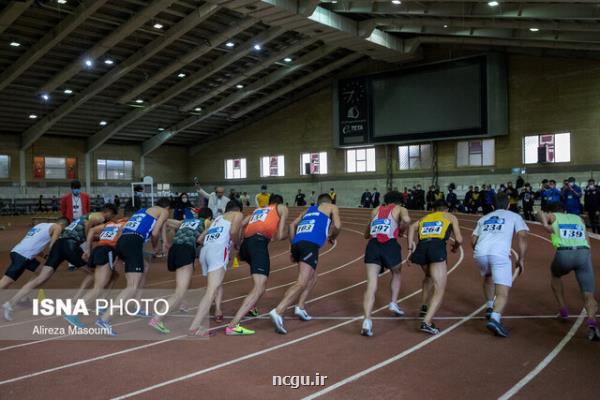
(107, 43)
(254, 70)
(296, 84)
(103, 135)
(51, 39)
(176, 31)
(155, 142)
(11, 12)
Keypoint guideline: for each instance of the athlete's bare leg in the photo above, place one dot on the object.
(304, 276)
(372, 280)
(260, 284)
(438, 273)
(183, 277)
(215, 279)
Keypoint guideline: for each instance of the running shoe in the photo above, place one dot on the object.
(367, 328)
(278, 322)
(423, 312)
(254, 312)
(100, 323)
(238, 330)
(488, 313)
(593, 333)
(219, 318)
(159, 326)
(74, 320)
(395, 308)
(143, 314)
(7, 311)
(302, 314)
(496, 328)
(431, 329)
(72, 268)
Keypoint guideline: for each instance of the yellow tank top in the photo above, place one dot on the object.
(263, 199)
(434, 226)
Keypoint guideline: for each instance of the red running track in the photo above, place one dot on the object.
(398, 362)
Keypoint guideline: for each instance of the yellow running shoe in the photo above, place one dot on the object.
(238, 331)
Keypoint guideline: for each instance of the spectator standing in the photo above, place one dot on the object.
(365, 199)
(300, 199)
(375, 198)
(419, 198)
(183, 208)
(571, 196)
(117, 201)
(469, 199)
(262, 199)
(217, 201)
(520, 182)
(475, 200)
(527, 199)
(592, 205)
(451, 199)
(513, 197)
(313, 198)
(76, 203)
(540, 193)
(430, 198)
(41, 206)
(54, 204)
(487, 200)
(333, 196)
(551, 195)
(245, 199)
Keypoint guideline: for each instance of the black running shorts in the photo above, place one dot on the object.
(180, 255)
(130, 249)
(18, 265)
(429, 251)
(255, 251)
(306, 252)
(101, 256)
(386, 255)
(66, 249)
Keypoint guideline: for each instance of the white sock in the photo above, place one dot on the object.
(496, 316)
(490, 303)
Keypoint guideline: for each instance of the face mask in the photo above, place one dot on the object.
(592, 187)
(184, 199)
(76, 192)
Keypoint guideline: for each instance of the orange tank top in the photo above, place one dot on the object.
(111, 232)
(264, 221)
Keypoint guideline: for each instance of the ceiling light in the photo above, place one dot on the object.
(287, 59)
(158, 25)
(161, 129)
(15, 44)
(257, 47)
(139, 101)
(239, 86)
(103, 123)
(534, 29)
(61, 1)
(493, 3)
(198, 109)
(32, 116)
(88, 62)
(108, 61)
(181, 75)
(333, 1)
(445, 26)
(230, 44)
(68, 91)
(45, 97)
(396, 2)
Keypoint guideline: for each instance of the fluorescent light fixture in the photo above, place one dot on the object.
(534, 29)
(287, 59)
(32, 116)
(181, 75)
(161, 129)
(257, 47)
(45, 96)
(68, 91)
(139, 101)
(88, 62)
(230, 44)
(15, 44)
(445, 26)
(493, 4)
(158, 25)
(61, 1)
(103, 123)
(396, 2)
(198, 109)
(239, 86)
(108, 61)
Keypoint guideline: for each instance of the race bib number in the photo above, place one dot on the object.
(109, 234)
(432, 228)
(72, 226)
(190, 225)
(33, 231)
(381, 226)
(306, 227)
(213, 234)
(571, 231)
(132, 225)
(493, 225)
(259, 215)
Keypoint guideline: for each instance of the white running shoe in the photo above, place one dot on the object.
(7, 311)
(302, 314)
(278, 322)
(395, 308)
(367, 328)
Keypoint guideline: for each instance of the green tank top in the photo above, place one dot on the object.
(76, 230)
(568, 230)
(189, 231)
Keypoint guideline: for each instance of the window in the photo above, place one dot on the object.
(114, 169)
(4, 166)
(475, 153)
(235, 168)
(558, 148)
(55, 167)
(360, 160)
(272, 166)
(417, 156)
(313, 163)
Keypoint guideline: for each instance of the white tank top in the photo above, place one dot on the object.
(219, 232)
(34, 242)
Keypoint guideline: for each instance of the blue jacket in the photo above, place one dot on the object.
(572, 201)
(488, 196)
(551, 196)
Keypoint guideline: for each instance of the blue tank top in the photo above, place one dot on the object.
(140, 223)
(314, 227)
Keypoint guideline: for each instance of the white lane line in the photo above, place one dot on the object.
(270, 349)
(547, 360)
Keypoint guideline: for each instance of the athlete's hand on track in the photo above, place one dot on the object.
(455, 247)
(331, 240)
